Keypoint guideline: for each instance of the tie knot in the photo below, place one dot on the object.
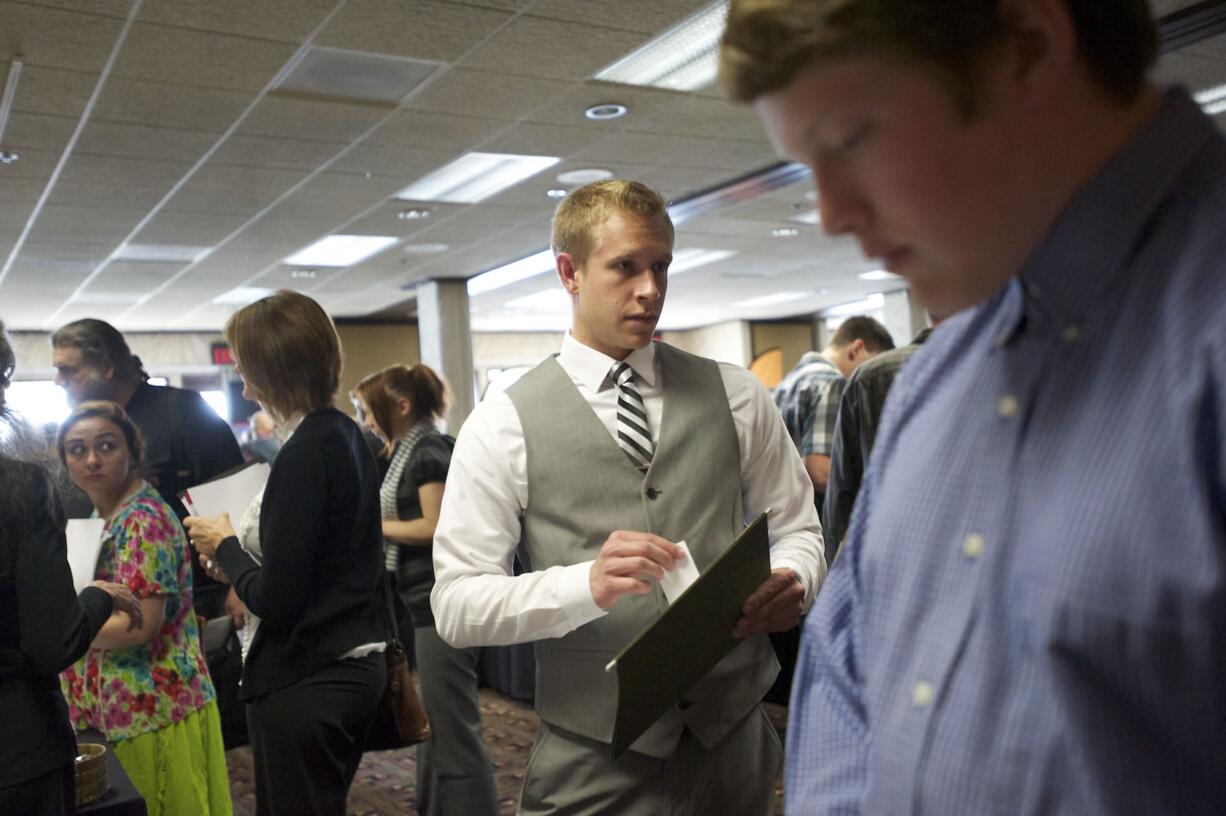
(621, 373)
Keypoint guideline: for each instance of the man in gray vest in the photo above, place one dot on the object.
(592, 466)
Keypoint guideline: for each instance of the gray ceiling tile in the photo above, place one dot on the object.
(282, 20)
(422, 29)
(200, 59)
(161, 104)
(534, 46)
(54, 38)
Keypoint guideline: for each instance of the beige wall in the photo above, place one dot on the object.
(369, 348)
(792, 338)
(727, 342)
(163, 353)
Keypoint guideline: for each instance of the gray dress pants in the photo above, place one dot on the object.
(454, 775)
(570, 775)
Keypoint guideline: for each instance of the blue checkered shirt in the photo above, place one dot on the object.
(1029, 614)
(808, 397)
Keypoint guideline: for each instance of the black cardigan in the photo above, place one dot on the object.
(318, 590)
(44, 628)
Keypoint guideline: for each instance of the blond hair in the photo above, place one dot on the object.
(288, 351)
(579, 216)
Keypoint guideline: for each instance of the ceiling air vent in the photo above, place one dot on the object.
(333, 73)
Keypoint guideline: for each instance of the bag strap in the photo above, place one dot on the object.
(389, 609)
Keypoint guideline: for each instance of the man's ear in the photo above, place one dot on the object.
(1041, 41)
(854, 349)
(567, 272)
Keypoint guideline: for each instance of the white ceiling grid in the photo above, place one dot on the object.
(188, 144)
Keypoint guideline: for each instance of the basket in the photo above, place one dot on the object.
(90, 768)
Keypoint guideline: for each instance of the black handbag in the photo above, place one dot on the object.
(400, 720)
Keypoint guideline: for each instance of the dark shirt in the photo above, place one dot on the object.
(44, 627)
(854, 431)
(428, 462)
(319, 590)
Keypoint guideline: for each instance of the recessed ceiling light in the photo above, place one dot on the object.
(684, 58)
(876, 275)
(557, 193)
(609, 110)
(772, 300)
(8, 157)
(413, 215)
(166, 253)
(425, 249)
(475, 177)
(340, 250)
(785, 232)
(692, 258)
(241, 296)
(585, 176)
(873, 301)
(504, 275)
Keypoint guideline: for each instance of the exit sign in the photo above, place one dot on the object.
(221, 354)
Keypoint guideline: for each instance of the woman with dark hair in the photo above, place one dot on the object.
(146, 688)
(44, 627)
(312, 678)
(400, 405)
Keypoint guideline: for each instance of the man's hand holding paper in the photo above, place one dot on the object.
(626, 562)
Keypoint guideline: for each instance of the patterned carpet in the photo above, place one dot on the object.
(384, 785)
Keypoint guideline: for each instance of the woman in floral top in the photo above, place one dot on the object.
(148, 689)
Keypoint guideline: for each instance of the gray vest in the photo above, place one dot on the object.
(582, 487)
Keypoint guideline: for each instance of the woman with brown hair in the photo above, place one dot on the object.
(400, 405)
(312, 678)
(146, 688)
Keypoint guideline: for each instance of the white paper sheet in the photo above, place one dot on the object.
(84, 544)
(678, 579)
(229, 495)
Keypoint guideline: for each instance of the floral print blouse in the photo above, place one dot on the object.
(136, 690)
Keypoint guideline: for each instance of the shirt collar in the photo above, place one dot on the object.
(591, 367)
(1088, 247)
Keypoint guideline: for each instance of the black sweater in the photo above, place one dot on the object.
(44, 628)
(318, 591)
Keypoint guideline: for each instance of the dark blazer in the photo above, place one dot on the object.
(318, 590)
(44, 627)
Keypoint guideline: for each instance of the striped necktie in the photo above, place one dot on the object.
(633, 432)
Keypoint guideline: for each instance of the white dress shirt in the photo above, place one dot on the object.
(476, 599)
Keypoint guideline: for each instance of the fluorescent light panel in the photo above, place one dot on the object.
(877, 275)
(811, 217)
(340, 250)
(684, 58)
(168, 253)
(873, 301)
(507, 274)
(241, 296)
(475, 177)
(554, 299)
(1212, 100)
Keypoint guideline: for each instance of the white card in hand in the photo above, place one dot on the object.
(679, 578)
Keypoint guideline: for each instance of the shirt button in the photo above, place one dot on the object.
(922, 694)
(652, 493)
(1071, 334)
(973, 545)
(1007, 407)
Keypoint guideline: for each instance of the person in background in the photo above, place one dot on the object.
(808, 398)
(146, 688)
(45, 626)
(401, 405)
(808, 395)
(1027, 613)
(262, 443)
(314, 673)
(186, 443)
(594, 464)
(855, 429)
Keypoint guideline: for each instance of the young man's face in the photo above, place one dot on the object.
(620, 287)
(924, 190)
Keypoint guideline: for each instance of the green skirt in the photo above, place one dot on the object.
(180, 770)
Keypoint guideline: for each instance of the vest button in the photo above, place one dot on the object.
(652, 493)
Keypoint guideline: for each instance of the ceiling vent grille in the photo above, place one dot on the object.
(336, 74)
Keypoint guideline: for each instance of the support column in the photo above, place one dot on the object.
(447, 342)
(903, 317)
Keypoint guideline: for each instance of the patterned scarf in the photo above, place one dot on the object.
(387, 492)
